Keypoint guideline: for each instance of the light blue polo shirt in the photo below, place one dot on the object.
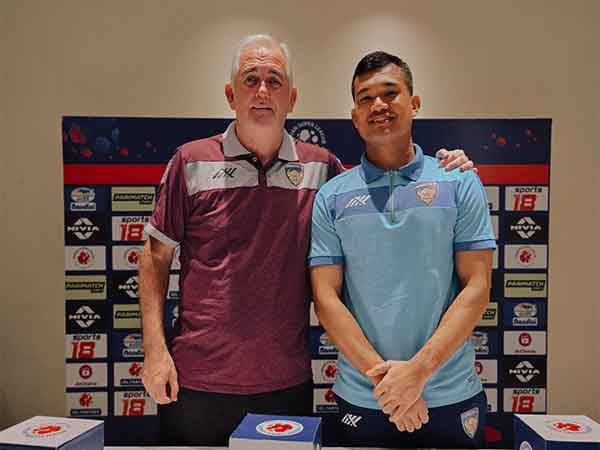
(395, 233)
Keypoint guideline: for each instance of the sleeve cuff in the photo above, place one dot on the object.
(326, 261)
(152, 231)
(475, 245)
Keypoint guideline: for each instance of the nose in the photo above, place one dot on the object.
(378, 105)
(262, 90)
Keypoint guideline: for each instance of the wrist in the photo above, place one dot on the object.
(425, 364)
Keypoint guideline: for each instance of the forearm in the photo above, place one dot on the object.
(153, 284)
(456, 326)
(345, 332)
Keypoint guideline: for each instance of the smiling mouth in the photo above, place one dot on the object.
(381, 120)
(262, 108)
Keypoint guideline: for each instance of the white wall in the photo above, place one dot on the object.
(170, 58)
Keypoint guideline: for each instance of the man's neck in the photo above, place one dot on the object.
(263, 143)
(392, 155)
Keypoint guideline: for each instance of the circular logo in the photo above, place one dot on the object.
(132, 256)
(133, 341)
(85, 371)
(83, 257)
(525, 339)
(45, 430)
(330, 396)
(86, 400)
(279, 428)
(525, 446)
(479, 338)
(568, 427)
(525, 256)
(329, 370)
(478, 367)
(525, 310)
(324, 340)
(83, 195)
(309, 131)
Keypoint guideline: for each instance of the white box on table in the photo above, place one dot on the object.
(266, 432)
(59, 433)
(555, 432)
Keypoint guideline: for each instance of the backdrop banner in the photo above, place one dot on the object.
(112, 166)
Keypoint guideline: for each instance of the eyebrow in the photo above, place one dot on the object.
(386, 84)
(271, 71)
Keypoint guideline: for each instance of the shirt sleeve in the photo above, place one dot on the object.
(326, 248)
(335, 166)
(473, 228)
(167, 223)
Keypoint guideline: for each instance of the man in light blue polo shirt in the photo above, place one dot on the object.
(400, 261)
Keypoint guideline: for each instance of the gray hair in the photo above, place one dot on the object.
(270, 41)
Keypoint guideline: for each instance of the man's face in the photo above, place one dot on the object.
(383, 106)
(261, 94)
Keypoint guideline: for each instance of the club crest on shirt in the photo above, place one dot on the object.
(470, 421)
(294, 173)
(427, 192)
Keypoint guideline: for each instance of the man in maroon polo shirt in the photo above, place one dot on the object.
(239, 207)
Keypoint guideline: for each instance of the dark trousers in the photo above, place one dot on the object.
(459, 425)
(200, 418)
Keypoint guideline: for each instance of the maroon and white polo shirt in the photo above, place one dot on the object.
(244, 236)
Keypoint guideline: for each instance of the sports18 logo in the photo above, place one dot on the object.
(86, 346)
(129, 228)
(526, 198)
(134, 403)
(526, 400)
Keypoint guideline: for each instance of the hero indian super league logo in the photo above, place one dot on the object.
(279, 428)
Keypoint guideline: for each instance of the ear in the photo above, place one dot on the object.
(229, 96)
(415, 102)
(353, 115)
(293, 98)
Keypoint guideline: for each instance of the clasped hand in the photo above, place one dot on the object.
(398, 389)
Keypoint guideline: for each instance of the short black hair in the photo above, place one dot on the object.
(377, 60)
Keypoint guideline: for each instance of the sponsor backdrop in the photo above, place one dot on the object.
(111, 169)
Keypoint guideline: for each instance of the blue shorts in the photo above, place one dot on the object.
(459, 425)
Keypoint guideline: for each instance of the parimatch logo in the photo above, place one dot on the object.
(85, 287)
(525, 285)
(138, 198)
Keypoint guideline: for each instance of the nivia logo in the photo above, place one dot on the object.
(359, 200)
(224, 173)
(83, 228)
(351, 420)
(526, 227)
(524, 371)
(84, 316)
(130, 287)
(279, 428)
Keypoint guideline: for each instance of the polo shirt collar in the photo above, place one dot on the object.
(232, 147)
(412, 171)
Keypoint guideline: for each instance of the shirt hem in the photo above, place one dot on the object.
(245, 390)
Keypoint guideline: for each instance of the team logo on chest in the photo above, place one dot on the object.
(427, 192)
(470, 421)
(294, 173)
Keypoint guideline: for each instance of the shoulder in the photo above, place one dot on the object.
(312, 153)
(431, 172)
(207, 149)
(344, 182)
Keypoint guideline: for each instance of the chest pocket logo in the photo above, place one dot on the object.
(427, 192)
(294, 173)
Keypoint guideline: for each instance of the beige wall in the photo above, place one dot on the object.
(170, 58)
